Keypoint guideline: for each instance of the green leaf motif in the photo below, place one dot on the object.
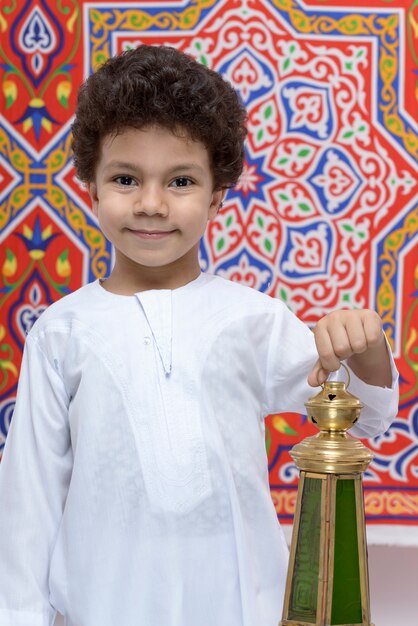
(304, 207)
(260, 221)
(304, 152)
(220, 244)
(57, 160)
(17, 196)
(64, 255)
(268, 440)
(229, 221)
(101, 58)
(268, 112)
(57, 195)
(267, 245)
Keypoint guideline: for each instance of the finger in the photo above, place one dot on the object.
(317, 376)
(357, 342)
(373, 329)
(325, 337)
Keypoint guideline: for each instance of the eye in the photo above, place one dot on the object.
(125, 181)
(181, 181)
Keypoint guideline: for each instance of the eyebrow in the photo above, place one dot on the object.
(120, 165)
(128, 166)
(181, 167)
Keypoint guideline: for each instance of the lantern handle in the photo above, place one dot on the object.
(342, 365)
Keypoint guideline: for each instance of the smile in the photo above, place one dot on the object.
(151, 235)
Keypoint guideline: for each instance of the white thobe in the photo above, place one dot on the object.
(134, 483)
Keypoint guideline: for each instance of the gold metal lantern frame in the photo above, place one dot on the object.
(327, 580)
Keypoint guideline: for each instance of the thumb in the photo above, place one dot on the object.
(317, 376)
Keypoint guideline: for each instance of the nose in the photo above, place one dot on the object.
(150, 201)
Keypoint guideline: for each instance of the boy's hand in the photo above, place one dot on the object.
(354, 335)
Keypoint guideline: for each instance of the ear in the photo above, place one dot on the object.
(92, 191)
(217, 198)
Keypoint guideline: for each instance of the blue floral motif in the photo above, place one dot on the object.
(398, 466)
(335, 181)
(6, 412)
(307, 250)
(37, 38)
(247, 269)
(308, 109)
(253, 182)
(249, 72)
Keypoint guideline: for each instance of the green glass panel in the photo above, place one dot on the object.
(346, 591)
(304, 590)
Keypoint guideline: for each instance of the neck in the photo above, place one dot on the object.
(127, 279)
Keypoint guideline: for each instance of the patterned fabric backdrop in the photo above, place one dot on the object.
(324, 216)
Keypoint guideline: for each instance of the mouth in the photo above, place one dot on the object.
(151, 235)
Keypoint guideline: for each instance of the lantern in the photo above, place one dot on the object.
(327, 580)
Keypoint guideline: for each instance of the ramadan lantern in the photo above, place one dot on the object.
(327, 580)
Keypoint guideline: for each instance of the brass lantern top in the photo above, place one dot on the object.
(333, 410)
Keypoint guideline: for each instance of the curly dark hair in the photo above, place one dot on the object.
(158, 85)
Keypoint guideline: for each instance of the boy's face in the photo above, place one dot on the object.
(153, 196)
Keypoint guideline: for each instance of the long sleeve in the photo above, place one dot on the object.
(292, 354)
(34, 477)
(380, 403)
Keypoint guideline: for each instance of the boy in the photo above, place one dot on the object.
(134, 485)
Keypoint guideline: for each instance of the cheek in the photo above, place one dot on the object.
(192, 216)
(108, 221)
(199, 224)
(110, 208)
